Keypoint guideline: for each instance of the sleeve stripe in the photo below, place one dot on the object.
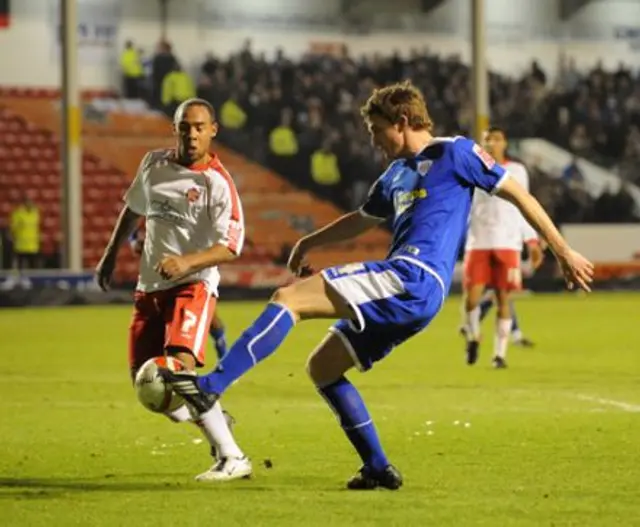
(235, 198)
(235, 231)
(500, 182)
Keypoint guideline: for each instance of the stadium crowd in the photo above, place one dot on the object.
(301, 118)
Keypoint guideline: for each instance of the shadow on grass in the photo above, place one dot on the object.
(42, 488)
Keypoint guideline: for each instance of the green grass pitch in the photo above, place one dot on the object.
(553, 441)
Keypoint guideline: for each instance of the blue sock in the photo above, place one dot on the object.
(485, 306)
(356, 422)
(219, 340)
(515, 326)
(254, 345)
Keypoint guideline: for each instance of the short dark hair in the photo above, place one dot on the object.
(495, 129)
(196, 101)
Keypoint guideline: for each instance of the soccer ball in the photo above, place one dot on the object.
(151, 389)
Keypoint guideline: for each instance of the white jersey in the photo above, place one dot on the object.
(187, 210)
(495, 223)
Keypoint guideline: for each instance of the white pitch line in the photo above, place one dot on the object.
(627, 407)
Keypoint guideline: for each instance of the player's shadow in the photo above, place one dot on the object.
(43, 488)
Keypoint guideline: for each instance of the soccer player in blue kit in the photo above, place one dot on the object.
(426, 191)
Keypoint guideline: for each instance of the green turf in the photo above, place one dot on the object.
(554, 440)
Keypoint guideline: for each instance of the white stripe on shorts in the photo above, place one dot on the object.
(361, 288)
(201, 330)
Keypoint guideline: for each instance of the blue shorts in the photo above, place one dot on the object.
(391, 300)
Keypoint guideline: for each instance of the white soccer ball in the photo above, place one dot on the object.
(151, 389)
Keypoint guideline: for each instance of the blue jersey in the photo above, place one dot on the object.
(429, 198)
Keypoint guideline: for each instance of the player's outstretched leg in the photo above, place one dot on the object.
(217, 332)
(326, 367)
(309, 298)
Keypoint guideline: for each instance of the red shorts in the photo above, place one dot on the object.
(498, 268)
(177, 317)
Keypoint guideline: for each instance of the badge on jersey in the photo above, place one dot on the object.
(193, 194)
(424, 166)
(485, 157)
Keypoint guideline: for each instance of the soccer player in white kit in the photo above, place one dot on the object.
(194, 222)
(496, 233)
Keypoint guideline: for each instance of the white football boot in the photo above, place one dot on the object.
(227, 469)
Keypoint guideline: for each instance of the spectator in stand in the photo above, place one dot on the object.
(568, 76)
(24, 235)
(132, 71)
(325, 174)
(537, 73)
(283, 144)
(232, 116)
(177, 87)
(146, 87)
(580, 142)
(162, 64)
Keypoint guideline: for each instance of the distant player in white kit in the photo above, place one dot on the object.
(194, 223)
(496, 234)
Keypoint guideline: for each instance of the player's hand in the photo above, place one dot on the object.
(297, 262)
(577, 270)
(536, 255)
(104, 271)
(173, 267)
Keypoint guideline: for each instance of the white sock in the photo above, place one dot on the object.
(214, 426)
(473, 324)
(516, 336)
(501, 342)
(179, 415)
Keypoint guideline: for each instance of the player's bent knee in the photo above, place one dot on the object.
(287, 296)
(282, 295)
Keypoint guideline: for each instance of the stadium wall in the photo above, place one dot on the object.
(516, 29)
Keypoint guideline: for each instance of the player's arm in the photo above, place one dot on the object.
(344, 228)
(135, 207)
(370, 215)
(476, 167)
(529, 234)
(126, 223)
(577, 269)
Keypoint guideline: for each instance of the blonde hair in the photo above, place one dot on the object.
(399, 100)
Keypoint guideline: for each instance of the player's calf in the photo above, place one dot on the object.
(326, 367)
(503, 328)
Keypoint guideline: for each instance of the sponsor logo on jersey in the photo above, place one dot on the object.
(403, 200)
(485, 157)
(165, 211)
